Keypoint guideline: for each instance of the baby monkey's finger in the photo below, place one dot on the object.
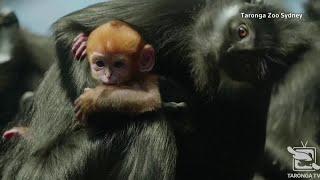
(80, 50)
(83, 55)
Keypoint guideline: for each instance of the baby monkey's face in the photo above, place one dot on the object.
(118, 54)
(112, 68)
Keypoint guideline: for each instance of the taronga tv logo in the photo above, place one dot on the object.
(303, 158)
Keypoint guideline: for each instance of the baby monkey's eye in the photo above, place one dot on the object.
(243, 31)
(100, 63)
(119, 64)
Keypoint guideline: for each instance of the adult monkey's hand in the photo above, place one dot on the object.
(16, 132)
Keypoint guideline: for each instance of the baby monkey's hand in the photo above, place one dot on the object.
(85, 104)
(79, 46)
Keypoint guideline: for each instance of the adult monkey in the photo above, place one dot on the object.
(171, 35)
(276, 47)
(24, 57)
(61, 150)
(293, 118)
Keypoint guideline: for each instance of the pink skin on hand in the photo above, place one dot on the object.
(79, 46)
(10, 134)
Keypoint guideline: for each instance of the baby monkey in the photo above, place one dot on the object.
(120, 62)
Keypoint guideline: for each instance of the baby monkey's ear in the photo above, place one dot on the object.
(147, 58)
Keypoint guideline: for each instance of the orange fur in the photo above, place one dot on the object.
(114, 37)
(139, 93)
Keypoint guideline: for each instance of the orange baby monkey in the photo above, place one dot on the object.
(120, 61)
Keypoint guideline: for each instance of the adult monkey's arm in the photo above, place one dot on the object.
(149, 16)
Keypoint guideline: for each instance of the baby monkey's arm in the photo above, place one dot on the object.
(131, 100)
(125, 99)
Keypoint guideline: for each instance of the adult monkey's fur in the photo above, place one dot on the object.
(29, 56)
(292, 43)
(294, 112)
(312, 8)
(61, 150)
